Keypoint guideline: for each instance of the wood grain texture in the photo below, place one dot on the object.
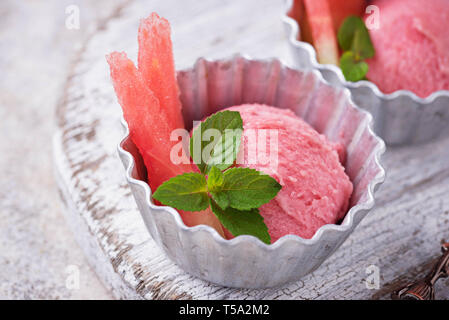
(401, 236)
(36, 245)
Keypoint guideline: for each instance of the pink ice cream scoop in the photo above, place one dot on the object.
(412, 46)
(315, 188)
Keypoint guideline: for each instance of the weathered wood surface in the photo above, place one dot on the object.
(36, 245)
(401, 236)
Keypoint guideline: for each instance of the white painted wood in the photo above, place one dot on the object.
(37, 250)
(401, 236)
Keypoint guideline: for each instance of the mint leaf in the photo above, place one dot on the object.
(185, 192)
(240, 222)
(346, 32)
(225, 130)
(353, 69)
(215, 179)
(362, 45)
(221, 199)
(246, 188)
(354, 36)
(214, 183)
(355, 41)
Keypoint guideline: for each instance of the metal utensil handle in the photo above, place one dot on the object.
(424, 289)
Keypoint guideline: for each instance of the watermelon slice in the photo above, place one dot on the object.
(155, 62)
(341, 9)
(321, 26)
(298, 13)
(151, 122)
(149, 126)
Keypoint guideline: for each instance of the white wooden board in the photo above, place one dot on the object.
(401, 236)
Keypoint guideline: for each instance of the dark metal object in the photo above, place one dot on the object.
(424, 289)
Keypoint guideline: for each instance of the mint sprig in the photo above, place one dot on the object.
(355, 41)
(233, 194)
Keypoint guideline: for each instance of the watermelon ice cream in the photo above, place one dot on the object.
(412, 46)
(315, 188)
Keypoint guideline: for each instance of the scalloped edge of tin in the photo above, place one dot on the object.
(348, 221)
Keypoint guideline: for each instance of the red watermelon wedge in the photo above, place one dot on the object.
(151, 122)
(298, 13)
(322, 30)
(155, 62)
(341, 9)
(149, 126)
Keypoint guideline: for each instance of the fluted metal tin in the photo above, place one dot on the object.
(400, 118)
(245, 261)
